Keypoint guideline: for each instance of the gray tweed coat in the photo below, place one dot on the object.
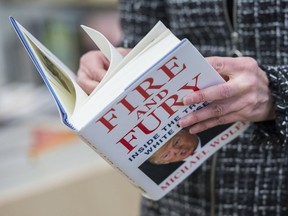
(250, 175)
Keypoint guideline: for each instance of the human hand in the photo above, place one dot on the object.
(93, 67)
(244, 97)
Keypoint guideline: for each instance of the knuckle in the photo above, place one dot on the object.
(201, 97)
(217, 110)
(246, 113)
(251, 101)
(243, 116)
(251, 63)
(220, 120)
(84, 57)
(90, 54)
(194, 118)
(225, 91)
(217, 63)
(203, 126)
(247, 63)
(252, 82)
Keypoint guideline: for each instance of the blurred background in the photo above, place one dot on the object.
(44, 168)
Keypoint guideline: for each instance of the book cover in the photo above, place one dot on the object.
(131, 119)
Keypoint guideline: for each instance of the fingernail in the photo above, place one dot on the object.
(192, 130)
(182, 122)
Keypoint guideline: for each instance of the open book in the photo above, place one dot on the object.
(131, 118)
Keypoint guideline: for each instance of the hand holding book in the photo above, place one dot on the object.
(93, 67)
(244, 97)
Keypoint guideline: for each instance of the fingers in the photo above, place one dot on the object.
(218, 92)
(87, 84)
(89, 78)
(92, 69)
(94, 64)
(237, 73)
(227, 66)
(244, 97)
(212, 122)
(208, 94)
(221, 65)
(215, 110)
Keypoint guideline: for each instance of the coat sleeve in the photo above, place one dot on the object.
(276, 132)
(138, 17)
